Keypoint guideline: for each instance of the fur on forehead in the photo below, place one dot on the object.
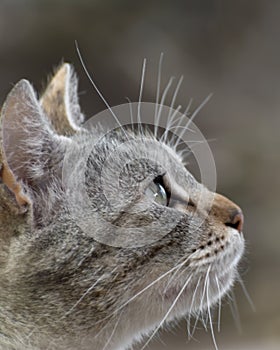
(123, 147)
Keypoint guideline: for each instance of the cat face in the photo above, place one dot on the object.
(111, 235)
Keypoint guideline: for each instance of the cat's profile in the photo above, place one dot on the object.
(60, 287)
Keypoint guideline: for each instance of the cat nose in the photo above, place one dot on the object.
(236, 220)
(228, 212)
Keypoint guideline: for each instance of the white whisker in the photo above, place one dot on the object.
(175, 95)
(209, 314)
(171, 279)
(196, 142)
(179, 121)
(130, 113)
(190, 313)
(86, 293)
(158, 93)
(234, 311)
(220, 304)
(179, 264)
(165, 134)
(113, 332)
(153, 283)
(194, 114)
(204, 288)
(141, 95)
(247, 295)
(184, 127)
(157, 119)
(201, 302)
(199, 108)
(97, 89)
(186, 112)
(168, 312)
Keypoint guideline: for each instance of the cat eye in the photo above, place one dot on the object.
(158, 192)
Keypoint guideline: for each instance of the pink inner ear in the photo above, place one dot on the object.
(10, 181)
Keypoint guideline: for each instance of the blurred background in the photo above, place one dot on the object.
(230, 48)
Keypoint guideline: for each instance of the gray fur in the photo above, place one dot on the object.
(60, 288)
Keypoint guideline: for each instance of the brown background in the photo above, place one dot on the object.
(230, 48)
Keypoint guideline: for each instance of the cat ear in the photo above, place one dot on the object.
(60, 101)
(32, 153)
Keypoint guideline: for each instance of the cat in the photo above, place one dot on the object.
(105, 235)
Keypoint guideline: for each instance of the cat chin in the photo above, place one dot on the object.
(188, 303)
(209, 282)
(199, 295)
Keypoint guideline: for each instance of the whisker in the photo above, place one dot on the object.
(157, 119)
(180, 120)
(113, 332)
(183, 116)
(192, 302)
(158, 93)
(234, 311)
(130, 112)
(173, 121)
(178, 265)
(141, 94)
(165, 134)
(204, 318)
(97, 89)
(201, 302)
(154, 282)
(146, 288)
(199, 108)
(246, 293)
(220, 304)
(209, 314)
(86, 293)
(168, 312)
(204, 288)
(170, 118)
(171, 279)
(194, 114)
(195, 142)
(175, 94)
(184, 127)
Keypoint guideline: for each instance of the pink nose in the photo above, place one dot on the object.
(236, 220)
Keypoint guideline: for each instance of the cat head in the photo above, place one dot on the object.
(114, 228)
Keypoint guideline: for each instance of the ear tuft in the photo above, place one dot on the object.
(60, 101)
